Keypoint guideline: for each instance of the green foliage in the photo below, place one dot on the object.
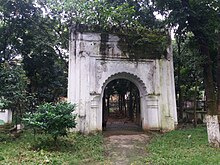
(133, 21)
(188, 146)
(13, 82)
(13, 93)
(74, 149)
(38, 42)
(52, 119)
(3, 103)
(14, 26)
(143, 43)
(48, 78)
(188, 68)
(97, 12)
(201, 19)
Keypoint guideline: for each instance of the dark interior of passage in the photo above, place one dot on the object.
(121, 105)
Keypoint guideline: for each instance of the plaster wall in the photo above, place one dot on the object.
(93, 63)
(6, 115)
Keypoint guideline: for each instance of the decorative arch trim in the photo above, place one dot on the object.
(128, 76)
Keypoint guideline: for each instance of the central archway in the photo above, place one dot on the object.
(121, 106)
(138, 114)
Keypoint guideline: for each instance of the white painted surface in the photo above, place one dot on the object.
(90, 72)
(6, 115)
(213, 130)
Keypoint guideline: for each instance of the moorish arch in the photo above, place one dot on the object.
(122, 118)
(94, 62)
(128, 76)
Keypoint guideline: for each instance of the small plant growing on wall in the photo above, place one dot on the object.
(53, 119)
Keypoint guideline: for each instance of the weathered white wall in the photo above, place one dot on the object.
(6, 116)
(90, 71)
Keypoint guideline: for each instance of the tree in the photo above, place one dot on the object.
(97, 12)
(200, 18)
(131, 20)
(188, 72)
(13, 88)
(52, 119)
(218, 71)
(39, 42)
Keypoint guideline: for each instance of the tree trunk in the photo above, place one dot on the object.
(130, 103)
(124, 105)
(204, 51)
(104, 111)
(195, 104)
(108, 109)
(218, 78)
(213, 130)
(211, 105)
(121, 103)
(138, 110)
(208, 81)
(180, 98)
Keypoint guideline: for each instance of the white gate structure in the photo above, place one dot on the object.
(92, 67)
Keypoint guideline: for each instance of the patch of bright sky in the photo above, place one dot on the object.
(162, 17)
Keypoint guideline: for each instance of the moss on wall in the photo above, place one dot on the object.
(103, 45)
(136, 43)
(151, 44)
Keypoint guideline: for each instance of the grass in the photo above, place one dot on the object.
(74, 149)
(182, 147)
(179, 147)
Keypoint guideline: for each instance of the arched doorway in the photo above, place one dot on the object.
(121, 105)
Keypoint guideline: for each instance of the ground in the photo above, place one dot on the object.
(125, 143)
(121, 146)
(125, 149)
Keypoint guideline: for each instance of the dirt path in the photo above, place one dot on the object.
(125, 148)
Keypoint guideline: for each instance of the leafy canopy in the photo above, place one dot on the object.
(133, 20)
(38, 41)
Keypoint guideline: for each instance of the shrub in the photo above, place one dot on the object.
(53, 119)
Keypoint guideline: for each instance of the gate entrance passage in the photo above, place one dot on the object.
(109, 87)
(121, 105)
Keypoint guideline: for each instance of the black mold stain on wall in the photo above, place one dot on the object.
(104, 49)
